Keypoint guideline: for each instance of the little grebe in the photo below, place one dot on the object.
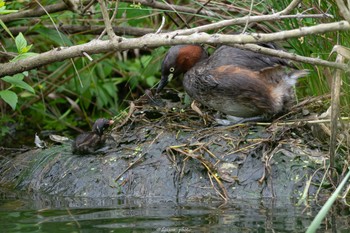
(89, 142)
(236, 82)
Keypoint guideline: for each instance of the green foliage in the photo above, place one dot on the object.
(21, 44)
(316, 223)
(142, 71)
(133, 14)
(78, 89)
(9, 96)
(53, 36)
(4, 122)
(17, 81)
(3, 10)
(22, 48)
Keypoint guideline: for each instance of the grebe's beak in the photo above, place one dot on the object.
(164, 81)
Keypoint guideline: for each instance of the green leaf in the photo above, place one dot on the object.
(102, 99)
(110, 89)
(6, 28)
(23, 56)
(151, 81)
(21, 42)
(9, 97)
(4, 12)
(25, 86)
(53, 35)
(26, 49)
(10, 79)
(17, 80)
(136, 16)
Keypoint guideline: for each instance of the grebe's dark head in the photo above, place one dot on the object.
(179, 60)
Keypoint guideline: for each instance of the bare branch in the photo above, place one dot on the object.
(156, 40)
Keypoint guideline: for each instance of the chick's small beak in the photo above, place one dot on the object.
(110, 122)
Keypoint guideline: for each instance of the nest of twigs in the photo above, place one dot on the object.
(220, 151)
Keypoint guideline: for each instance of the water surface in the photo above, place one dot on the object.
(39, 213)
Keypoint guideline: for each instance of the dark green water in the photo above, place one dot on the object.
(39, 213)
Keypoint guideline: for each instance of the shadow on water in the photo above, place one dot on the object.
(40, 213)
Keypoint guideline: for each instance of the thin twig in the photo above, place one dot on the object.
(177, 14)
(58, 82)
(161, 25)
(88, 6)
(335, 102)
(210, 168)
(112, 36)
(301, 121)
(248, 17)
(129, 167)
(222, 195)
(167, 6)
(198, 11)
(127, 118)
(115, 12)
(290, 56)
(244, 20)
(74, 219)
(88, 56)
(290, 7)
(51, 19)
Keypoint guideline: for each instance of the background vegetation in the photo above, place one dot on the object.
(66, 96)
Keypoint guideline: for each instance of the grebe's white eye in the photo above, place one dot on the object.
(171, 69)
